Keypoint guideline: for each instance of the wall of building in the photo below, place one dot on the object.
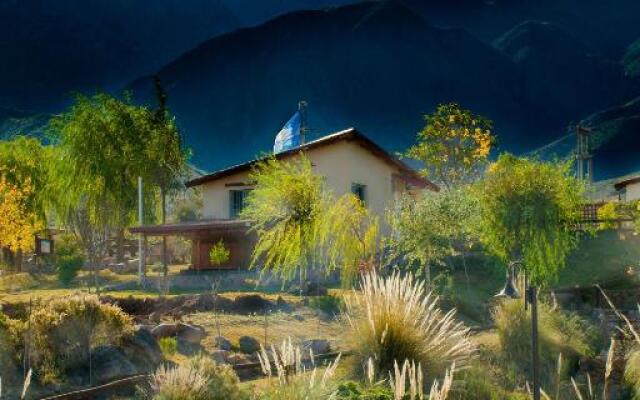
(632, 192)
(342, 164)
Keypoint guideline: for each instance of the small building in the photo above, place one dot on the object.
(349, 161)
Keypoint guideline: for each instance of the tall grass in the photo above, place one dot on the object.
(558, 332)
(198, 379)
(395, 318)
(293, 380)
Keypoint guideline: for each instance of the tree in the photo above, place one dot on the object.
(219, 254)
(301, 225)
(530, 211)
(454, 145)
(428, 230)
(18, 224)
(168, 157)
(23, 162)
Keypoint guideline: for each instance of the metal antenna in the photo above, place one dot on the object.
(302, 108)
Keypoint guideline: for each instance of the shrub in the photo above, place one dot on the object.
(632, 372)
(219, 254)
(63, 331)
(168, 345)
(332, 305)
(198, 379)
(351, 390)
(395, 318)
(69, 259)
(558, 332)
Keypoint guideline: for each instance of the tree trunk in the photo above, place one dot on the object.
(18, 260)
(120, 246)
(163, 197)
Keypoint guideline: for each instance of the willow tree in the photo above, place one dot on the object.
(454, 145)
(529, 212)
(301, 225)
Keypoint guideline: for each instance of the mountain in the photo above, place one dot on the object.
(50, 48)
(560, 69)
(379, 66)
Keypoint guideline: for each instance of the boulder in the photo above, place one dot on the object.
(190, 333)
(142, 350)
(220, 356)
(165, 330)
(252, 303)
(318, 346)
(237, 359)
(155, 317)
(110, 363)
(249, 345)
(222, 343)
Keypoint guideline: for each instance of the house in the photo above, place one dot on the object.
(348, 160)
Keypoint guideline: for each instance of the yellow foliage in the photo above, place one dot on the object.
(18, 225)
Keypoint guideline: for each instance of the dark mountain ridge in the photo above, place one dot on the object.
(379, 66)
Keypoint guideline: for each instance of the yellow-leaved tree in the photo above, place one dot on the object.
(18, 225)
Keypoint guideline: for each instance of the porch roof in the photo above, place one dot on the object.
(186, 228)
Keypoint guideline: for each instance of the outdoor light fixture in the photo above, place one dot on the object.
(509, 290)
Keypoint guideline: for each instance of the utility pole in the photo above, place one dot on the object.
(584, 158)
(532, 296)
(141, 255)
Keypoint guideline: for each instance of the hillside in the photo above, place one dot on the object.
(380, 66)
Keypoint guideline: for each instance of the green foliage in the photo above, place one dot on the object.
(608, 213)
(529, 211)
(300, 226)
(330, 304)
(632, 372)
(559, 332)
(631, 60)
(351, 390)
(198, 379)
(435, 226)
(168, 345)
(62, 332)
(69, 258)
(453, 145)
(219, 254)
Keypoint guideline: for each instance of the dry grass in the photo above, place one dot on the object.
(395, 318)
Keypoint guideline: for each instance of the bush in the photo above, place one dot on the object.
(63, 331)
(558, 332)
(199, 379)
(395, 319)
(168, 345)
(351, 390)
(332, 305)
(69, 259)
(632, 372)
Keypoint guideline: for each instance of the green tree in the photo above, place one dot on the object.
(166, 157)
(301, 225)
(530, 211)
(454, 145)
(219, 254)
(430, 229)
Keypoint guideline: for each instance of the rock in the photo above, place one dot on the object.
(252, 303)
(142, 350)
(318, 346)
(222, 343)
(249, 345)
(155, 317)
(298, 317)
(165, 330)
(280, 302)
(110, 363)
(220, 356)
(237, 359)
(190, 333)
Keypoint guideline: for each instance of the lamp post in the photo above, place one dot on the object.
(510, 291)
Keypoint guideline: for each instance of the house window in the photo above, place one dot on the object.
(237, 201)
(360, 191)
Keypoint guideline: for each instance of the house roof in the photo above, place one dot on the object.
(349, 135)
(220, 225)
(624, 183)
